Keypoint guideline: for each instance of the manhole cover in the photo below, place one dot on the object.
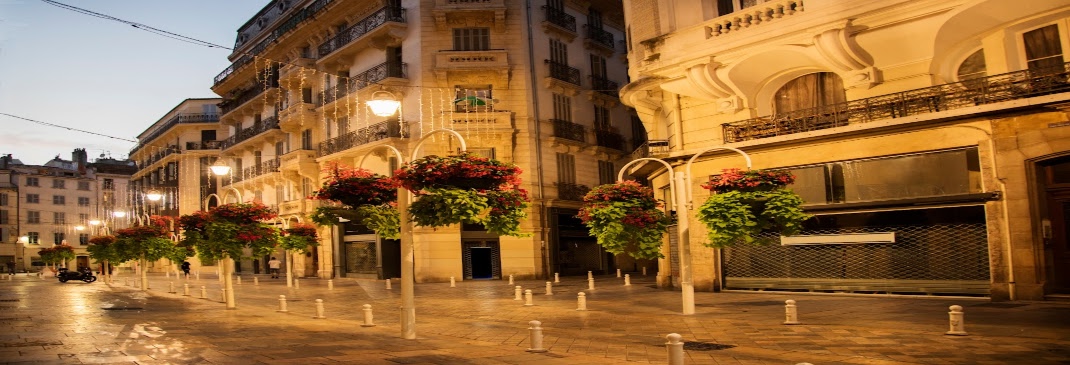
(123, 308)
(705, 346)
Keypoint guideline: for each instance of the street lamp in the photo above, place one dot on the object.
(153, 195)
(383, 103)
(677, 181)
(220, 168)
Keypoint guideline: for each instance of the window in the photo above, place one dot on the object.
(34, 238)
(598, 67)
(83, 201)
(3, 200)
(32, 181)
(33, 198)
(471, 39)
(558, 52)
(83, 218)
(566, 168)
(487, 152)
(306, 139)
(83, 185)
(607, 173)
(601, 118)
(59, 237)
(59, 184)
(472, 98)
(638, 130)
(3, 217)
(1043, 48)
(725, 7)
(971, 68)
(562, 107)
(109, 184)
(59, 218)
(59, 200)
(83, 239)
(107, 197)
(33, 217)
(810, 91)
(594, 18)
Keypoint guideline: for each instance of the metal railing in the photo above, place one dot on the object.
(171, 123)
(228, 105)
(307, 13)
(609, 139)
(264, 167)
(561, 19)
(359, 29)
(204, 145)
(650, 149)
(571, 191)
(600, 37)
(564, 72)
(256, 129)
(374, 132)
(967, 93)
(605, 86)
(362, 80)
(156, 157)
(569, 130)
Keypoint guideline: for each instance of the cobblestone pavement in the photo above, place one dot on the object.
(479, 322)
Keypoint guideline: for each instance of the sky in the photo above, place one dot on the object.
(64, 68)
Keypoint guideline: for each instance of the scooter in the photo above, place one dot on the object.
(84, 274)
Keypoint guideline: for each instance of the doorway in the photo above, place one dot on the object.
(482, 259)
(1057, 240)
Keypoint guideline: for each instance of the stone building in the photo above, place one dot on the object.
(937, 130)
(533, 83)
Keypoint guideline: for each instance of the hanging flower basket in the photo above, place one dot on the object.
(464, 171)
(299, 237)
(357, 187)
(625, 218)
(746, 203)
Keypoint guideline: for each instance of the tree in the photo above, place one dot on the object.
(149, 241)
(102, 250)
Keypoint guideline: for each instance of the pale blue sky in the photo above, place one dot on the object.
(62, 67)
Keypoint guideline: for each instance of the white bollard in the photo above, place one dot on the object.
(453, 282)
(319, 309)
(644, 270)
(198, 274)
(511, 280)
(185, 289)
(627, 280)
(675, 348)
(527, 298)
(590, 284)
(549, 288)
(791, 313)
(297, 284)
(167, 274)
(590, 275)
(581, 301)
(387, 284)
(368, 316)
(535, 337)
(238, 279)
(958, 321)
(330, 284)
(204, 292)
(557, 279)
(282, 304)
(170, 287)
(618, 273)
(223, 295)
(518, 292)
(256, 281)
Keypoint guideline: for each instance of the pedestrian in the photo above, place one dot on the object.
(11, 267)
(185, 267)
(274, 265)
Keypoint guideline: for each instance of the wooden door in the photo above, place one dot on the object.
(1057, 241)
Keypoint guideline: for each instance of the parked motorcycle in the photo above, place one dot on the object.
(84, 274)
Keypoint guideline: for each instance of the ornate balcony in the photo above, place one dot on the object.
(562, 78)
(271, 85)
(384, 26)
(252, 172)
(569, 130)
(171, 123)
(570, 191)
(448, 12)
(362, 80)
(609, 139)
(752, 16)
(256, 129)
(658, 148)
(598, 38)
(968, 93)
(375, 132)
(204, 145)
(559, 22)
(303, 162)
(296, 116)
(605, 86)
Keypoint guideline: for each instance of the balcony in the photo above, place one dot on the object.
(252, 172)
(156, 157)
(448, 12)
(384, 26)
(291, 207)
(599, 39)
(559, 22)
(752, 16)
(303, 162)
(569, 130)
(964, 94)
(571, 191)
(362, 80)
(609, 139)
(495, 62)
(375, 132)
(562, 78)
(204, 145)
(269, 87)
(256, 129)
(171, 123)
(658, 148)
(295, 116)
(605, 86)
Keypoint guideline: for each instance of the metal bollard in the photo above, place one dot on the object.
(644, 270)
(511, 280)
(535, 337)
(237, 280)
(282, 304)
(387, 284)
(958, 321)
(590, 275)
(675, 348)
(527, 298)
(330, 284)
(185, 289)
(549, 288)
(518, 293)
(627, 280)
(297, 284)
(618, 273)
(368, 316)
(453, 282)
(557, 279)
(791, 313)
(170, 287)
(204, 292)
(319, 309)
(590, 284)
(581, 301)
(256, 281)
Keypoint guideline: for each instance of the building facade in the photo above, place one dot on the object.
(938, 127)
(531, 83)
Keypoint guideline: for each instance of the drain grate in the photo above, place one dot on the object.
(705, 346)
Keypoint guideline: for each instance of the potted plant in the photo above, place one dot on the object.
(366, 197)
(625, 218)
(463, 171)
(747, 203)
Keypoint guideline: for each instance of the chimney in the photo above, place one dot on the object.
(80, 159)
(5, 160)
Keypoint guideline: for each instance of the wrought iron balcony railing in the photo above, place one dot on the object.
(254, 130)
(159, 155)
(650, 149)
(967, 93)
(228, 105)
(605, 86)
(609, 139)
(600, 37)
(571, 191)
(296, 19)
(561, 19)
(171, 123)
(264, 167)
(362, 80)
(374, 132)
(569, 130)
(204, 145)
(564, 72)
(359, 29)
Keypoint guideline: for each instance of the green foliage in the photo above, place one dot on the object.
(383, 219)
(101, 248)
(443, 207)
(299, 238)
(151, 241)
(625, 219)
(225, 231)
(357, 187)
(737, 217)
(56, 254)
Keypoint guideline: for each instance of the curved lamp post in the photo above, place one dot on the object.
(677, 181)
(219, 169)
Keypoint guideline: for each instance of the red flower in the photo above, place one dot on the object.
(750, 180)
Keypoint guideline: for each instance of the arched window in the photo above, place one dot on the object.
(971, 68)
(809, 91)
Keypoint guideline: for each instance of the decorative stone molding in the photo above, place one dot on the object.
(453, 65)
(469, 13)
(842, 53)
